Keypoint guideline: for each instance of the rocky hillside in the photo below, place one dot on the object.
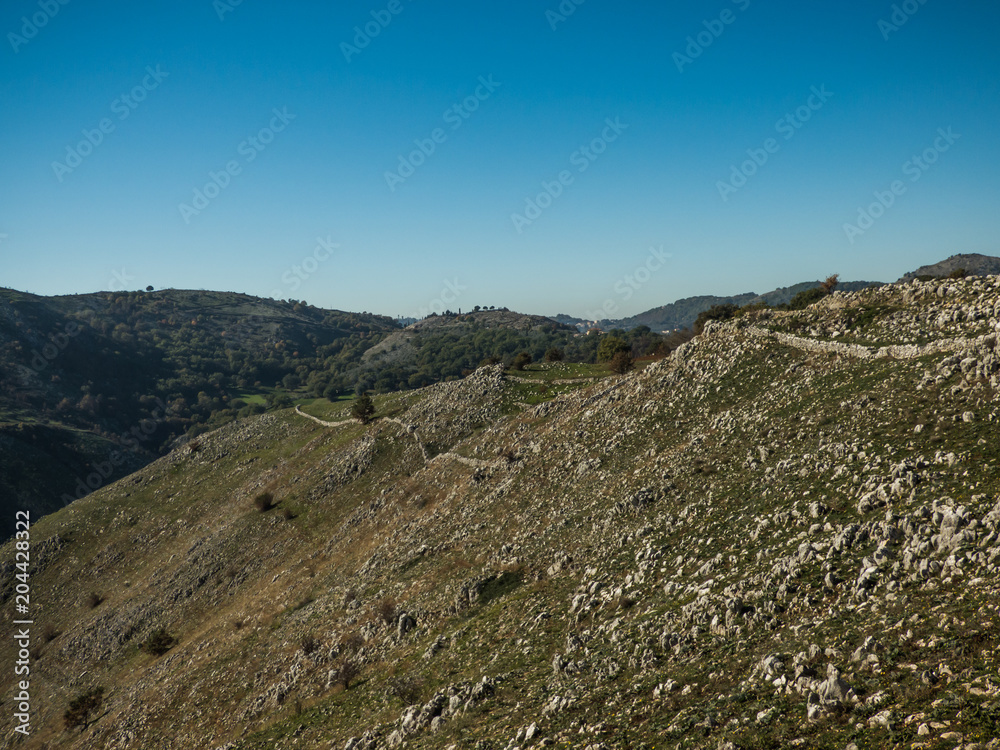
(973, 264)
(785, 535)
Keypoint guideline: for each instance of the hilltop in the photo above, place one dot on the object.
(785, 534)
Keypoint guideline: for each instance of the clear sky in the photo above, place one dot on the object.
(271, 148)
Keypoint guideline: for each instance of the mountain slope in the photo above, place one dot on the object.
(784, 535)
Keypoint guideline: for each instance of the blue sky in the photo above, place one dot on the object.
(512, 101)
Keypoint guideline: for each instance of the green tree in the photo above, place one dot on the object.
(610, 346)
(82, 707)
(554, 354)
(363, 408)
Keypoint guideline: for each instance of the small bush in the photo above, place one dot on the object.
(521, 361)
(287, 514)
(352, 642)
(50, 634)
(346, 672)
(802, 300)
(387, 609)
(554, 354)
(264, 502)
(715, 312)
(405, 687)
(94, 599)
(159, 643)
(622, 363)
(82, 707)
(309, 644)
(958, 273)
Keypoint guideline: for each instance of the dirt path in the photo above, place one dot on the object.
(323, 422)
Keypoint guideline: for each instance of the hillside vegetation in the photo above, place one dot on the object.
(785, 534)
(94, 386)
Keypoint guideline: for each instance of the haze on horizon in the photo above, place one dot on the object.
(373, 155)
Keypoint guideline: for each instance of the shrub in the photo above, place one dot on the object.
(287, 514)
(387, 609)
(94, 599)
(554, 354)
(159, 643)
(715, 312)
(82, 707)
(309, 644)
(352, 642)
(802, 300)
(346, 672)
(521, 361)
(264, 502)
(622, 363)
(958, 273)
(405, 687)
(363, 408)
(830, 283)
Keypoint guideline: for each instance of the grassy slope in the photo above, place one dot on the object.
(611, 528)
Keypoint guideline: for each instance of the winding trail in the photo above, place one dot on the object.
(317, 420)
(474, 463)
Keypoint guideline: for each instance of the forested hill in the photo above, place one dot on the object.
(93, 386)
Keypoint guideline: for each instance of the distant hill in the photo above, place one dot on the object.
(684, 312)
(94, 386)
(450, 345)
(973, 264)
